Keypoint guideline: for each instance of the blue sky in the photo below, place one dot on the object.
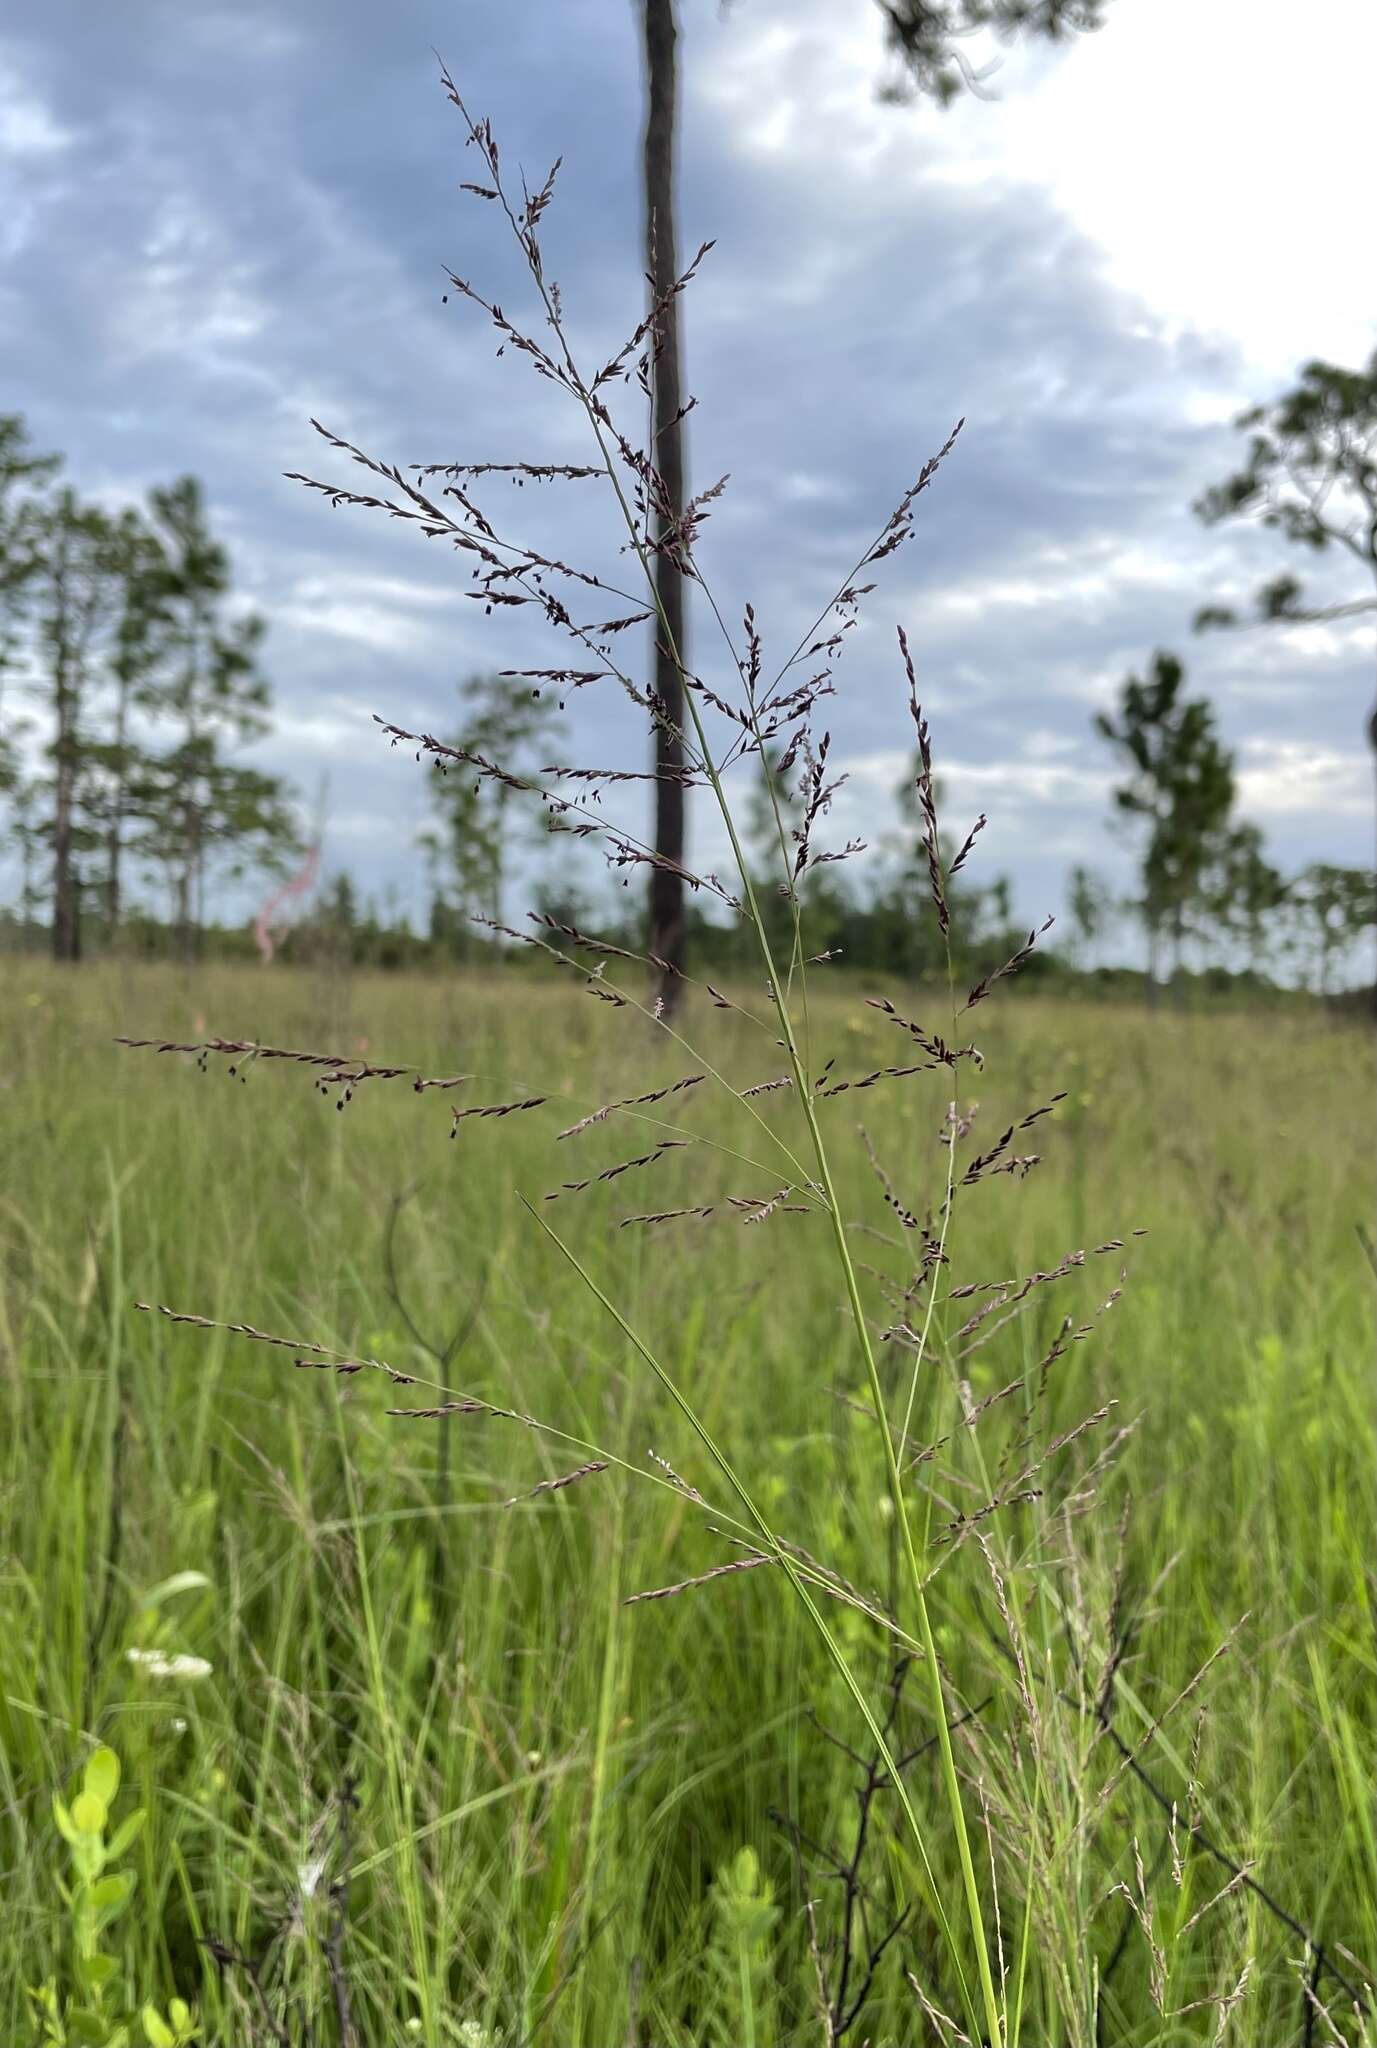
(218, 221)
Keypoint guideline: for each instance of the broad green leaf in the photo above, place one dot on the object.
(128, 1831)
(101, 1777)
(111, 1893)
(89, 1814)
(95, 1970)
(66, 1826)
(179, 2012)
(160, 2034)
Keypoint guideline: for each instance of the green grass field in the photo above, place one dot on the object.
(436, 1768)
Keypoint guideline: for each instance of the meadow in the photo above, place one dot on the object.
(413, 1769)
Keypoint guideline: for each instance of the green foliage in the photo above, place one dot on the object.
(1246, 894)
(503, 722)
(198, 807)
(739, 1957)
(1091, 906)
(88, 2002)
(171, 2031)
(76, 609)
(1310, 474)
(1180, 786)
(1334, 908)
(118, 625)
(23, 476)
(132, 1451)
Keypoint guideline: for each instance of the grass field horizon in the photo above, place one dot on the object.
(371, 1705)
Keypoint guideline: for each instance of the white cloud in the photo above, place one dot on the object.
(1219, 184)
(1287, 778)
(1217, 163)
(339, 731)
(209, 267)
(386, 614)
(190, 292)
(28, 127)
(1032, 777)
(1058, 577)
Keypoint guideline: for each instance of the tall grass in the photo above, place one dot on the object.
(888, 1524)
(578, 1772)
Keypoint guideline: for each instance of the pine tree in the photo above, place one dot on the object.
(1310, 474)
(1181, 785)
(196, 804)
(76, 603)
(469, 853)
(23, 477)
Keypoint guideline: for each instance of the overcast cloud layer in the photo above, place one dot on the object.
(218, 221)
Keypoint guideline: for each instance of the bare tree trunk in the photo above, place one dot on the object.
(667, 452)
(186, 884)
(65, 926)
(114, 837)
(1372, 742)
(66, 914)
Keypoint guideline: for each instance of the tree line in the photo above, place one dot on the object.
(121, 628)
(1205, 896)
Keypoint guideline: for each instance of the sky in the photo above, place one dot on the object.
(220, 221)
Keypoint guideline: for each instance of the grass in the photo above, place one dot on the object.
(541, 1795)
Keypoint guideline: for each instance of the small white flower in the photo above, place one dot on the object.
(308, 1876)
(159, 1664)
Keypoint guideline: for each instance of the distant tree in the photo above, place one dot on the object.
(196, 804)
(116, 765)
(477, 813)
(1334, 909)
(1091, 906)
(76, 590)
(559, 896)
(998, 905)
(1181, 787)
(1310, 473)
(340, 903)
(23, 478)
(1248, 895)
(28, 836)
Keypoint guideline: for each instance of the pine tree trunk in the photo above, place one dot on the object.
(186, 882)
(1372, 743)
(64, 876)
(113, 850)
(66, 930)
(114, 839)
(666, 935)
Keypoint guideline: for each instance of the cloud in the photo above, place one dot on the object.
(381, 614)
(230, 221)
(1290, 778)
(28, 127)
